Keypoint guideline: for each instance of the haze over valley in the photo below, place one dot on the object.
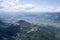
(29, 25)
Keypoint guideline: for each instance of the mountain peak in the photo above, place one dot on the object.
(23, 21)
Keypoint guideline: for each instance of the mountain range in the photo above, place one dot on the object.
(38, 26)
(23, 30)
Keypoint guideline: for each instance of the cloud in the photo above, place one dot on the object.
(45, 9)
(14, 5)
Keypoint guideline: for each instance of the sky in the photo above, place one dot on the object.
(30, 5)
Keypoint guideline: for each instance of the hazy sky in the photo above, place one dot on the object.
(42, 2)
(30, 5)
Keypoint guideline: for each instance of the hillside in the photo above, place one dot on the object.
(23, 30)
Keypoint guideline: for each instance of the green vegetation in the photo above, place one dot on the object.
(23, 30)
